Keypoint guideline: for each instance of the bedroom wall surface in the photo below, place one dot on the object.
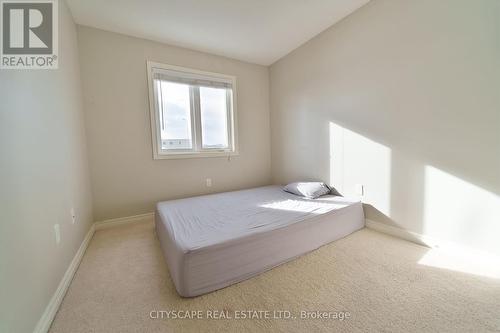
(125, 178)
(44, 173)
(400, 102)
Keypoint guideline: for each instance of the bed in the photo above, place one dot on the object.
(212, 241)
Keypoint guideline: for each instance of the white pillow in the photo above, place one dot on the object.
(310, 190)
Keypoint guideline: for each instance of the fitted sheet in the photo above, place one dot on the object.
(212, 241)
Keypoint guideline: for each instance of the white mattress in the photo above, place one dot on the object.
(213, 241)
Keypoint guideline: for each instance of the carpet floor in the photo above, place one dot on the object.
(373, 278)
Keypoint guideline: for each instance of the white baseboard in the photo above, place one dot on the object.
(404, 234)
(421, 239)
(123, 220)
(45, 321)
(455, 249)
(48, 315)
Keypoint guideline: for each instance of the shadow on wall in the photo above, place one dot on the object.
(401, 190)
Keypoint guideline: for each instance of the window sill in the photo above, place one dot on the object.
(205, 154)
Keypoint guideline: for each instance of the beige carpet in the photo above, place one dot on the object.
(374, 277)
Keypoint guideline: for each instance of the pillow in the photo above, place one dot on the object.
(311, 190)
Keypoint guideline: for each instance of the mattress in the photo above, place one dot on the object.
(212, 241)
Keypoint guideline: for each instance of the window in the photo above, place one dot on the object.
(192, 112)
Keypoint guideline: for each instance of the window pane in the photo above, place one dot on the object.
(175, 115)
(213, 118)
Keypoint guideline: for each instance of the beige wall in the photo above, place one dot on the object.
(43, 172)
(402, 97)
(125, 178)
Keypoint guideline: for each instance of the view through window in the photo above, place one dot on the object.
(192, 111)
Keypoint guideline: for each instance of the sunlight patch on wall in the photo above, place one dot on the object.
(360, 167)
(460, 212)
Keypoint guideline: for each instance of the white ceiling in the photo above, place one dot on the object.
(257, 31)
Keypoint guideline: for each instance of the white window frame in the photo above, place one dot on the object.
(197, 151)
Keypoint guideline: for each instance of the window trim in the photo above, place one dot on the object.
(197, 152)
